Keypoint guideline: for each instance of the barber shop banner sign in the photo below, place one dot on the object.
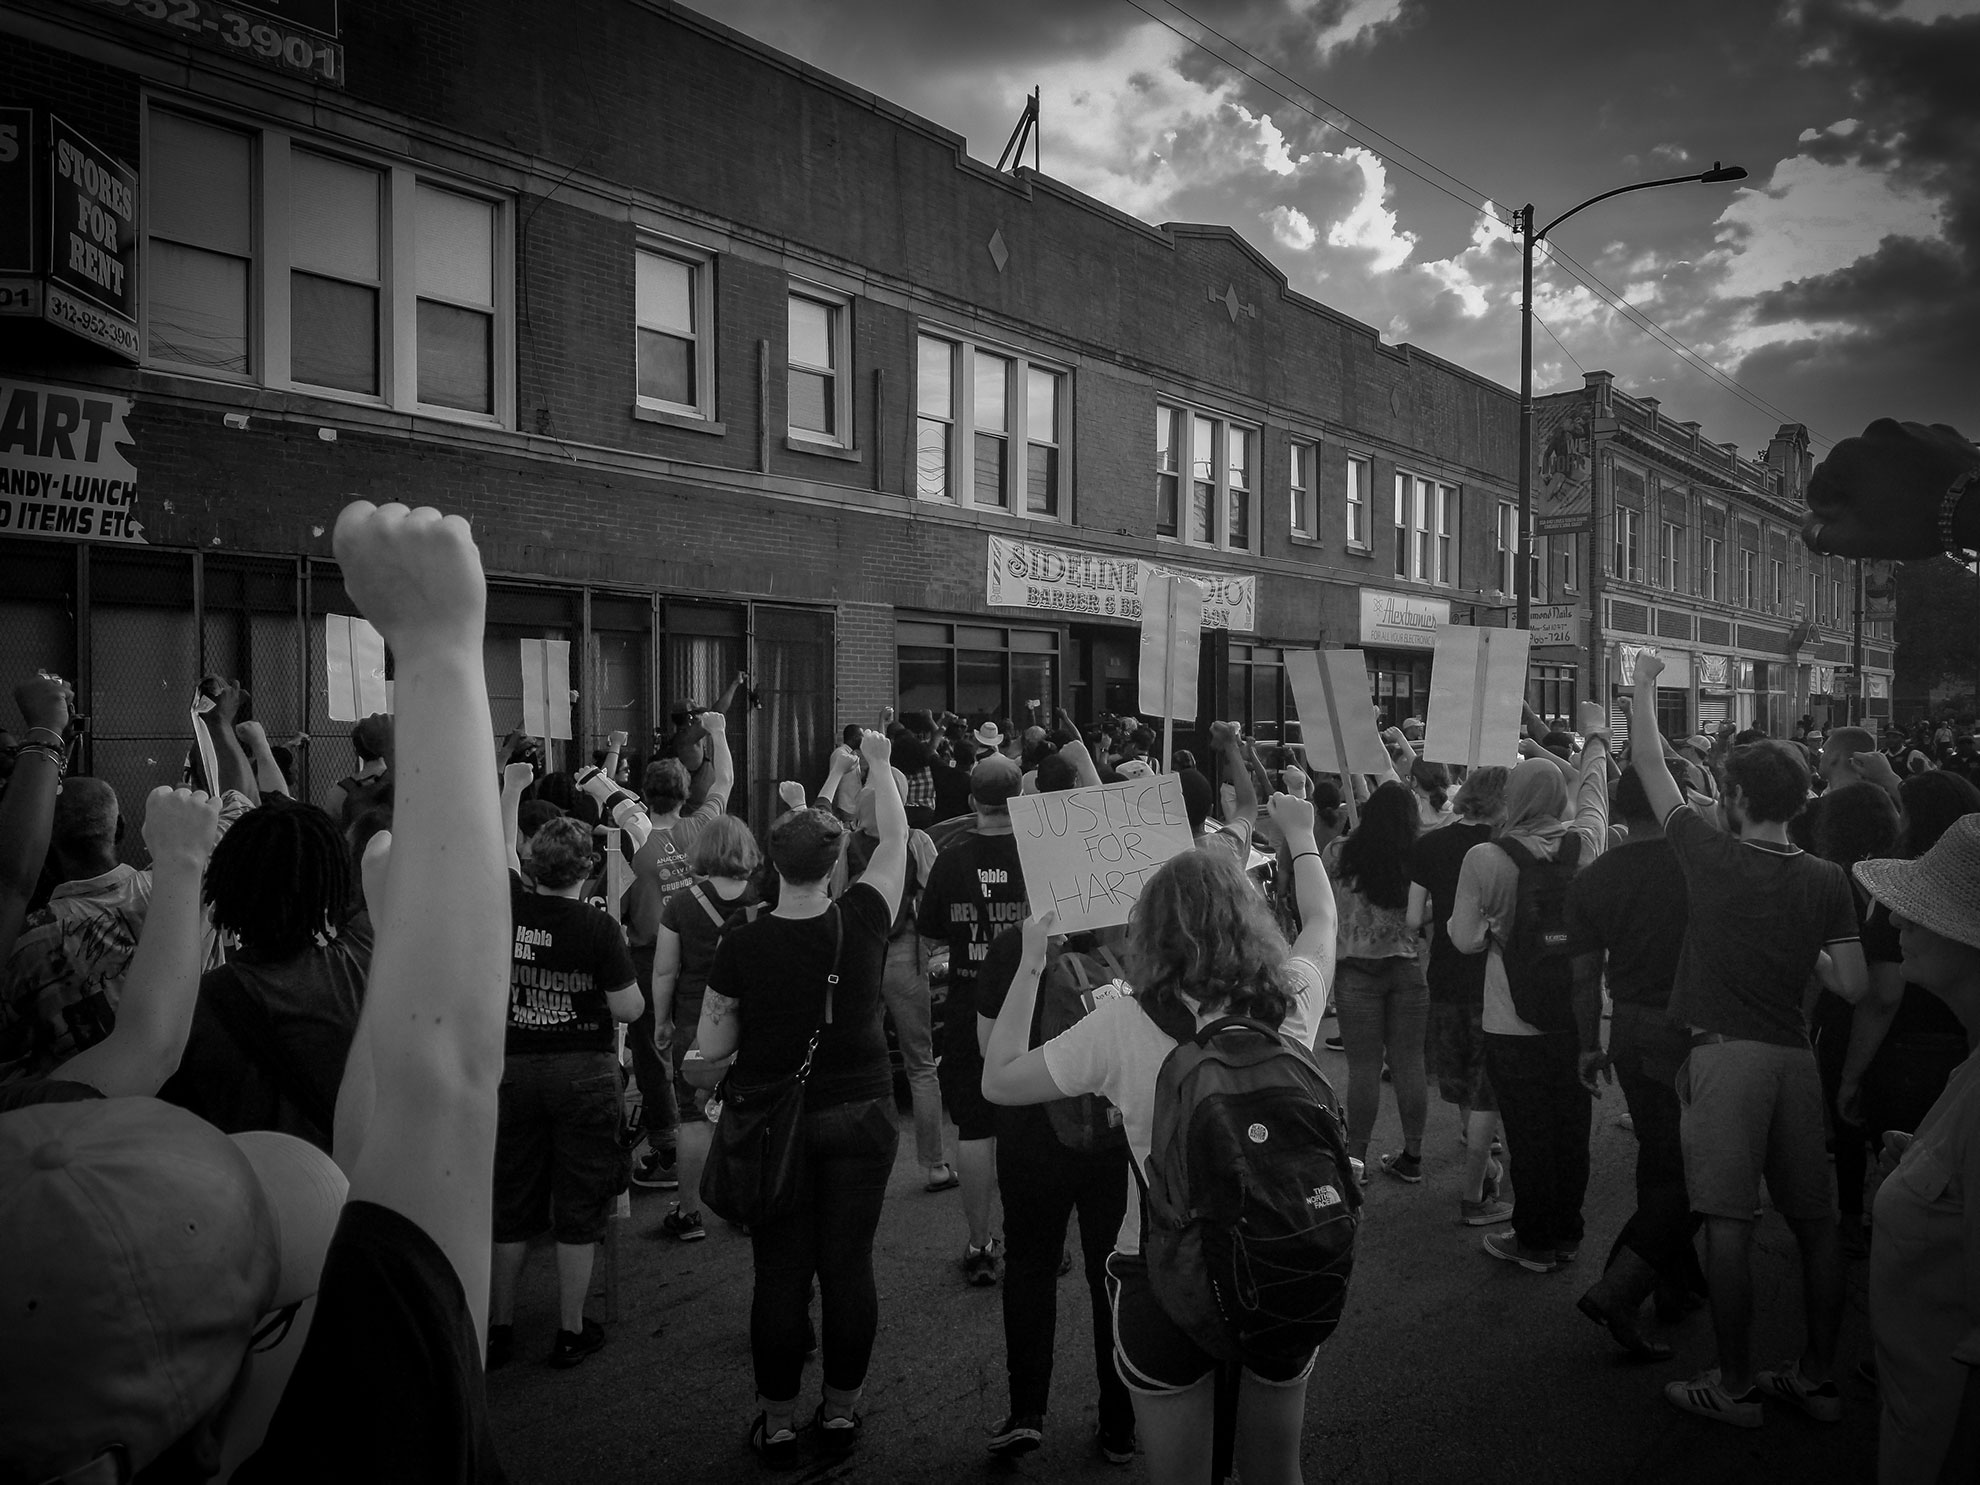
(1100, 585)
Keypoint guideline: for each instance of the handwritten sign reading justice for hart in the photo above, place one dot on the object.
(1087, 852)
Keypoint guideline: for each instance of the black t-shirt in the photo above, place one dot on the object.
(775, 969)
(1920, 1011)
(687, 915)
(951, 791)
(565, 955)
(1630, 904)
(389, 1385)
(1029, 1124)
(1435, 863)
(974, 892)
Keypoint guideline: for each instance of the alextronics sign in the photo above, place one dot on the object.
(1401, 621)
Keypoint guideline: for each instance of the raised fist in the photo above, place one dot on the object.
(877, 748)
(792, 793)
(1649, 665)
(1878, 495)
(414, 573)
(713, 723)
(180, 824)
(1290, 813)
(45, 701)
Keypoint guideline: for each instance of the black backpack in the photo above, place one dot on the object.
(1539, 969)
(1088, 1121)
(1250, 1206)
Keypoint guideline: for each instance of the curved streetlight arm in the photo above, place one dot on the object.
(1642, 185)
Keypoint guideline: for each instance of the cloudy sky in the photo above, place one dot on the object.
(1839, 283)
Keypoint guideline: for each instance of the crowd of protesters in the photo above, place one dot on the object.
(281, 1113)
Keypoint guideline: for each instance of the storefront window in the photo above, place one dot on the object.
(1401, 685)
(1551, 690)
(977, 670)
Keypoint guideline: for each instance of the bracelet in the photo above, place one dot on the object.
(54, 755)
(1955, 492)
(1301, 855)
(55, 739)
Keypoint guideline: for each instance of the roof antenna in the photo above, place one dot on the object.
(1027, 128)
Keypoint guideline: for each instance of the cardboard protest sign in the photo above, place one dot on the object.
(1336, 713)
(546, 678)
(1171, 642)
(1477, 686)
(354, 668)
(1087, 852)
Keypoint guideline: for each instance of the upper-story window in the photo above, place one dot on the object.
(989, 428)
(1749, 584)
(1426, 518)
(1670, 557)
(1626, 559)
(1360, 480)
(370, 281)
(1301, 517)
(674, 291)
(1505, 542)
(1564, 550)
(820, 357)
(1213, 501)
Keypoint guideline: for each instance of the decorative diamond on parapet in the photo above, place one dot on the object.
(1233, 306)
(1231, 302)
(999, 254)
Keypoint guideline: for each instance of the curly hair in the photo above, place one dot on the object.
(1375, 858)
(1932, 802)
(1855, 823)
(279, 878)
(1201, 929)
(1482, 794)
(724, 848)
(560, 852)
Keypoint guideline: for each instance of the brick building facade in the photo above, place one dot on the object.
(1660, 537)
(731, 364)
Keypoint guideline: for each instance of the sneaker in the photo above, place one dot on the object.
(1494, 1173)
(1490, 1212)
(682, 1227)
(1334, 1043)
(573, 1346)
(835, 1435)
(1705, 1396)
(1822, 1401)
(1116, 1447)
(1018, 1434)
(501, 1346)
(1507, 1247)
(983, 1266)
(1404, 1167)
(779, 1450)
(656, 1173)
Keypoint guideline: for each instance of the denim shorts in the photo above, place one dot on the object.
(1455, 1051)
(558, 1159)
(1153, 1354)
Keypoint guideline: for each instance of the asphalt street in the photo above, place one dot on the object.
(1449, 1366)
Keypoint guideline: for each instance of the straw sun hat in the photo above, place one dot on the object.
(1940, 890)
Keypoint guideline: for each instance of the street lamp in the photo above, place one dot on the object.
(1523, 570)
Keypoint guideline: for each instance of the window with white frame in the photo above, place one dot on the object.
(1301, 518)
(819, 352)
(1777, 584)
(1360, 480)
(988, 428)
(1626, 560)
(1447, 534)
(1670, 557)
(1168, 471)
(1563, 550)
(1405, 491)
(1749, 570)
(1837, 616)
(675, 297)
(1711, 568)
(1506, 543)
(377, 282)
(1206, 479)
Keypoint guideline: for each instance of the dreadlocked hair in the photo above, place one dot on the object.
(280, 878)
(1201, 928)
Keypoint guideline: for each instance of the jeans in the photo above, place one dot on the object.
(1384, 1005)
(659, 1111)
(1833, 1019)
(1546, 1113)
(1043, 1183)
(904, 986)
(1646, 1048)
(851, 1150)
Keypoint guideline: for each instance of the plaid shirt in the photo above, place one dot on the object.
(921, 790)
(67, 972)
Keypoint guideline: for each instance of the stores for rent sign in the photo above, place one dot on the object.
(1026, 574)
(92, 254)
(64, 471)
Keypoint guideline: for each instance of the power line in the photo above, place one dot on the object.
(1557, 343)
(1368, 138)
(1389, 150)
(1657, 332)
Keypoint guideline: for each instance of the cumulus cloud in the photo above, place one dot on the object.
(1369, 224)
(1290, 227)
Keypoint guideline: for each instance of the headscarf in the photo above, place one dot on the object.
(1536, 798)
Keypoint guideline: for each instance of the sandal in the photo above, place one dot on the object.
(779, 1453)
(948, 1182)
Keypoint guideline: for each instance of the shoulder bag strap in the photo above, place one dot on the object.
(705, 895)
